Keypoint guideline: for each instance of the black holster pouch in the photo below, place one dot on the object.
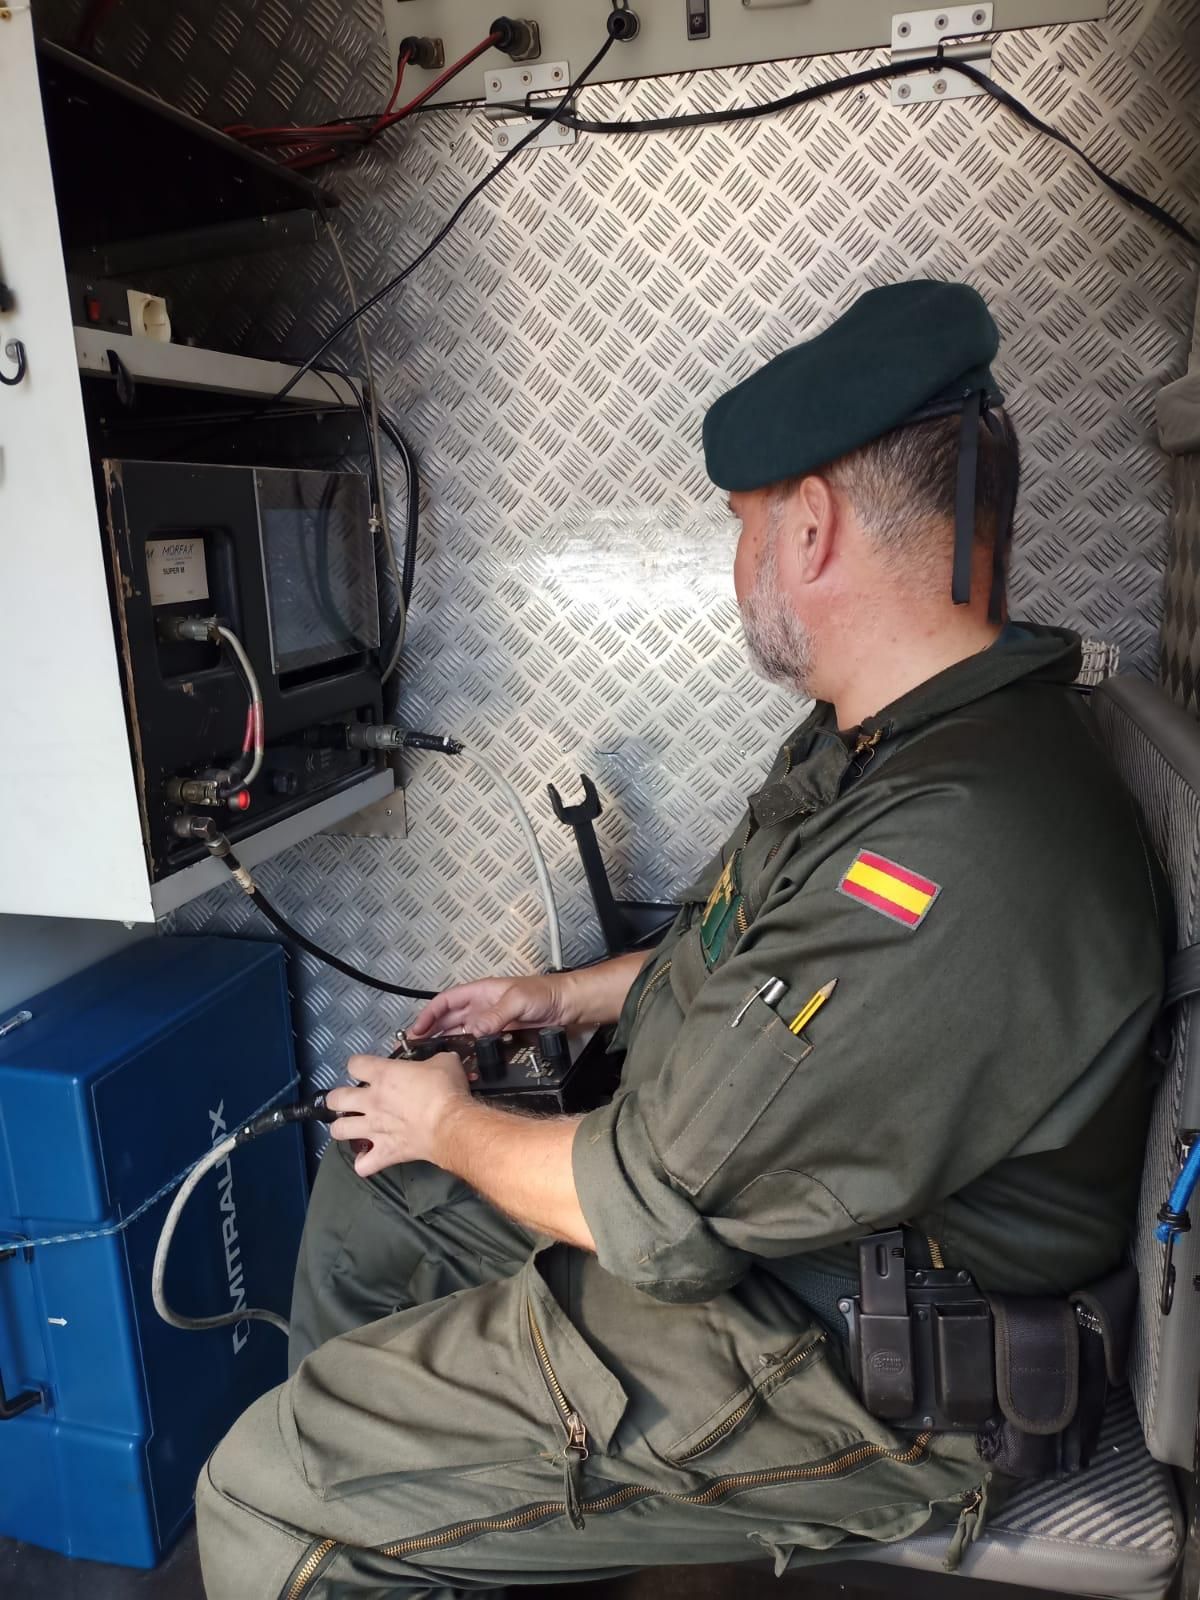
(1028, 1375)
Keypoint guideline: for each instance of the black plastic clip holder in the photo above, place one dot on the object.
(885, 1356)
(15, 1405)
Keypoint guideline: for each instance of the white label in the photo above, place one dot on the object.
(177, 570)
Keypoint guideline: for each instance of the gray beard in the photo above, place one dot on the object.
(778, 643)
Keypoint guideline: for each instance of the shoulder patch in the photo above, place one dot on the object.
(890, 889)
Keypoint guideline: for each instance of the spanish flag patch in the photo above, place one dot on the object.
(890, 889)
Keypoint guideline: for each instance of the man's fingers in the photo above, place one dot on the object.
(430, 1019)
(369, 1162)
(464, 1007)
(367, 1068)
(346, 1099)
(486, 1022)
(346, 1128)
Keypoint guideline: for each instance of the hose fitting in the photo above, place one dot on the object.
(623, 24)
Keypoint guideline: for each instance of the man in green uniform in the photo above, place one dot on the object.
(533, 1346)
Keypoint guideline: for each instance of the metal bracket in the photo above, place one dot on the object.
(507, 91)
(924, 33)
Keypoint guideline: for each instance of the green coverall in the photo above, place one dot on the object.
(471, 1406)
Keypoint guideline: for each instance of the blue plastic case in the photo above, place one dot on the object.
(126, 1074)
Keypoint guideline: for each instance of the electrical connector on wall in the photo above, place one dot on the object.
(148, 316)
(519, 40)
(427, 54)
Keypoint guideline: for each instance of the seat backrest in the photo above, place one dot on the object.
(1156, 747)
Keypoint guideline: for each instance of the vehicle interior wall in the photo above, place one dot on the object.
(573, 609)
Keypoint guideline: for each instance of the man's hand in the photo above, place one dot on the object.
(401, 1108)
(423, 1111)
(494, 1005)
(589, 998)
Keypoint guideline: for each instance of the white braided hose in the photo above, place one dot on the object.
(215, 1156)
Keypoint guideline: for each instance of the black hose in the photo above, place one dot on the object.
(412, 517)
(248, 886)
(412, 512)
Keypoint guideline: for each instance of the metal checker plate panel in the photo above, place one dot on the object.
(552, 363)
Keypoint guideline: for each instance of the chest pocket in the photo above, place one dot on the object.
(747, 1070)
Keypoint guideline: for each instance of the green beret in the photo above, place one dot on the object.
(902, 353)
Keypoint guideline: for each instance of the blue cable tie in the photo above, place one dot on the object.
(1181, 1194)
(18, 1242)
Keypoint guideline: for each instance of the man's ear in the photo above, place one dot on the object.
(811, 520)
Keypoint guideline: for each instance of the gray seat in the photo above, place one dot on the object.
(1113, 1530)
(1117, 1529)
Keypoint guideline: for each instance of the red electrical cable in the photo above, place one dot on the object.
(312, 145)
(387, 110)
(440, 82)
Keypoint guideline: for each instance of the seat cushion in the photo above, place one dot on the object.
(1114, 1530)
(1156, 747)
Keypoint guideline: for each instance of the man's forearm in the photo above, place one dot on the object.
(595, 995)
(521, 1164)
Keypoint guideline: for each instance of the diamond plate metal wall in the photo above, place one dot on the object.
(552, 363)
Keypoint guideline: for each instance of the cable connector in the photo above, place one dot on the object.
(190, 630)
(441, 742)
(519, 39)
(193, 792)
(427, 54)
(220, 848)
(314, 1110)
(374, 736)
(196, 830)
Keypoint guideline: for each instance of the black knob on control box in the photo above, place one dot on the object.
(489, 1058)
(553, 1050)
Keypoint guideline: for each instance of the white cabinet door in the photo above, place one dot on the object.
(70, 833)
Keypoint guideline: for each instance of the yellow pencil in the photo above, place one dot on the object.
(813, 1006)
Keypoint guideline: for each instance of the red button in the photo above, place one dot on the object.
(92, 307)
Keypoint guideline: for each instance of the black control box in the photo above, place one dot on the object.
(541, 1070)
(284, 558)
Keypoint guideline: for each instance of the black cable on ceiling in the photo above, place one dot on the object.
(423, 255)
(858, 80)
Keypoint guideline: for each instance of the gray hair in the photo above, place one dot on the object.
(902, 486)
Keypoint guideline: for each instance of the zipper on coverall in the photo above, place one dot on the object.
(575, 1449)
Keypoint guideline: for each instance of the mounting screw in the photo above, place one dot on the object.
(904, 91)
(927, 1422)
(843, 1305)
(941, 23)
(557, 74)
(979, 18)
(494, 85)
(526, 77)
(922, 1314)
(502, 140)
(903, 30)
(939, 86)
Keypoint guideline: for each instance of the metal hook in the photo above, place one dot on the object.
(1167, 1298)
(15, 351)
